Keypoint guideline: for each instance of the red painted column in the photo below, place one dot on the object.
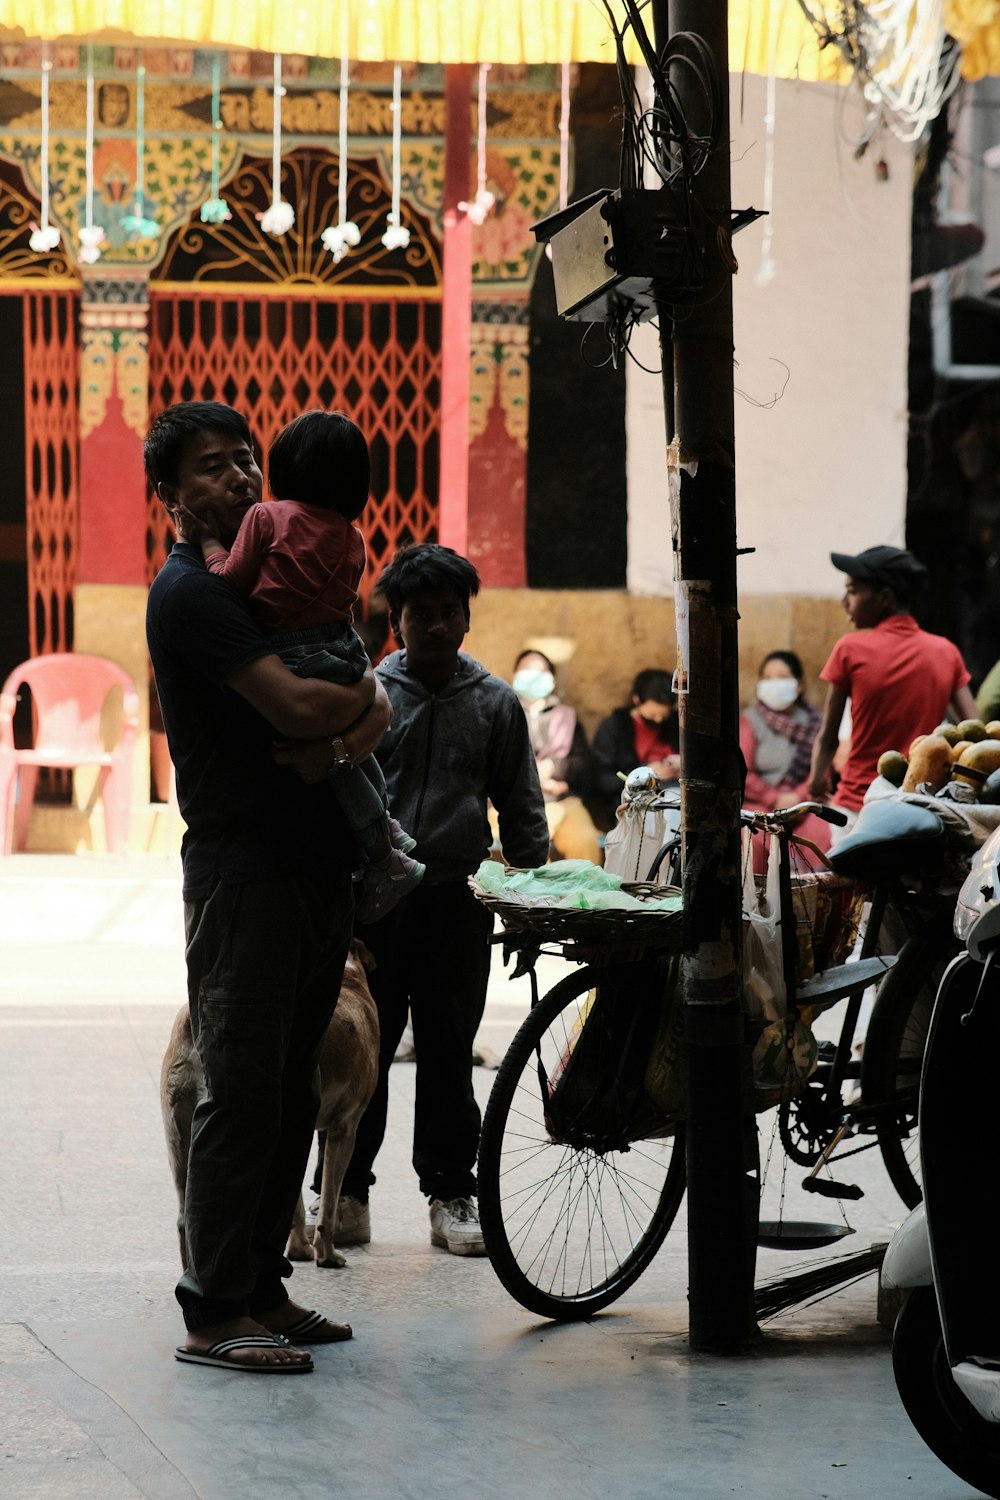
(456, 311)
(114, 381)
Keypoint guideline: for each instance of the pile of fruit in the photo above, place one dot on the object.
(969, 752)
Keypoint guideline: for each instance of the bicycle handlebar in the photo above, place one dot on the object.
(670, 802)
(786, 815)
(831, 815)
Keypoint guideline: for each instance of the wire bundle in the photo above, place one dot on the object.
(659, 137)
(903, 58)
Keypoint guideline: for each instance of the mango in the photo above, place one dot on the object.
(930, 762)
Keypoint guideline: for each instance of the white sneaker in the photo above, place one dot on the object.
(312, 1214)
(406, 1051)
(455, 1226)
(353, 1225)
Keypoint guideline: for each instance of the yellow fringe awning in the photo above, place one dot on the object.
(427, 31)
(976, 25)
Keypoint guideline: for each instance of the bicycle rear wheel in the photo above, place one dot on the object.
(894, 1051)
(567, 1228)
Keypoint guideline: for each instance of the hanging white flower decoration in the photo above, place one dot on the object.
(564, 144)
(44, 238)
(344, 235)
(277, 219)
(479, 207)
(91, 239)
(339, 238)
(91, 234)
(484, 199)
(396, 236)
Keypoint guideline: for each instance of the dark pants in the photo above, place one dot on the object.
(432, 958)
(264, 963)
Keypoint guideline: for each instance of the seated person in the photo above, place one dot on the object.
(777, 733)
(646, 732)
(561, 755)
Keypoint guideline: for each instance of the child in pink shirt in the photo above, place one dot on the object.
(298, 561)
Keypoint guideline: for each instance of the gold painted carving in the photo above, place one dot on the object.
(498, 376)
(113, 359)
(177, 107)
(132, 370)
(319, 113)
(514, 383)
(97, 376)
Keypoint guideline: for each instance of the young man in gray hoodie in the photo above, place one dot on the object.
(459, 738)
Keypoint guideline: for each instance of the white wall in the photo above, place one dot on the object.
(824, 468)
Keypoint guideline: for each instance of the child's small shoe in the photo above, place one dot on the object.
(399, 838)
(386, 883)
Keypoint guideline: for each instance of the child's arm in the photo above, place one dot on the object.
(515, 792)
(202, 531)
(241, 565)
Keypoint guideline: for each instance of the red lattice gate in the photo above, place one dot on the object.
(274, 356)
(51, 469)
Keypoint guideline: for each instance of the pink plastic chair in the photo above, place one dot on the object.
(68, 692)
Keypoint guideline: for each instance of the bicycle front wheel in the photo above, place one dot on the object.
(567, 1228)
(894, 1051)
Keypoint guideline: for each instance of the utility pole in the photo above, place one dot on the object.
(697, 351)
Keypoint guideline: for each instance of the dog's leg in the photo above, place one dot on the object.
(340, 1135)
(181, 1086)
(298, 1247)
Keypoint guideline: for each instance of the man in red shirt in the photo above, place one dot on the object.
(900, 680)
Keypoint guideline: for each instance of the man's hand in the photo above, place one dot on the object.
(313, 760)
(667, 769)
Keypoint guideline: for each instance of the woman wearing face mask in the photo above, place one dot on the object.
(645, 733)
(776, 737)
(562, 757)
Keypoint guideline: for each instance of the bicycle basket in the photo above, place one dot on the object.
(605, 931)
(827, 916)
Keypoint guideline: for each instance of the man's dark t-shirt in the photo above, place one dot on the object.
(247, 818)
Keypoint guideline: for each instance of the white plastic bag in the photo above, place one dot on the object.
(763, 969)
(639, 834)
(785, 1051)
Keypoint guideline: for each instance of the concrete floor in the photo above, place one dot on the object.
(449, 1388)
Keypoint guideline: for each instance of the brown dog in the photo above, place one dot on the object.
(348, 1074)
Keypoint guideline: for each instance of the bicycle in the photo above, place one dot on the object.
(576, 1201)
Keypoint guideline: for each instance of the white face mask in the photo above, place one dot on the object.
(777, 693)
(533, 683)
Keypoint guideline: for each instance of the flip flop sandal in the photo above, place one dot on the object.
(220, 1356)
(314, 1328)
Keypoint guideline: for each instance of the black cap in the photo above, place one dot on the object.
(891, 566)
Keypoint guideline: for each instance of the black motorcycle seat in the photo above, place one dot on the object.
(891, 838)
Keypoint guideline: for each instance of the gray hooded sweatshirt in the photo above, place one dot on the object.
(445, 754)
